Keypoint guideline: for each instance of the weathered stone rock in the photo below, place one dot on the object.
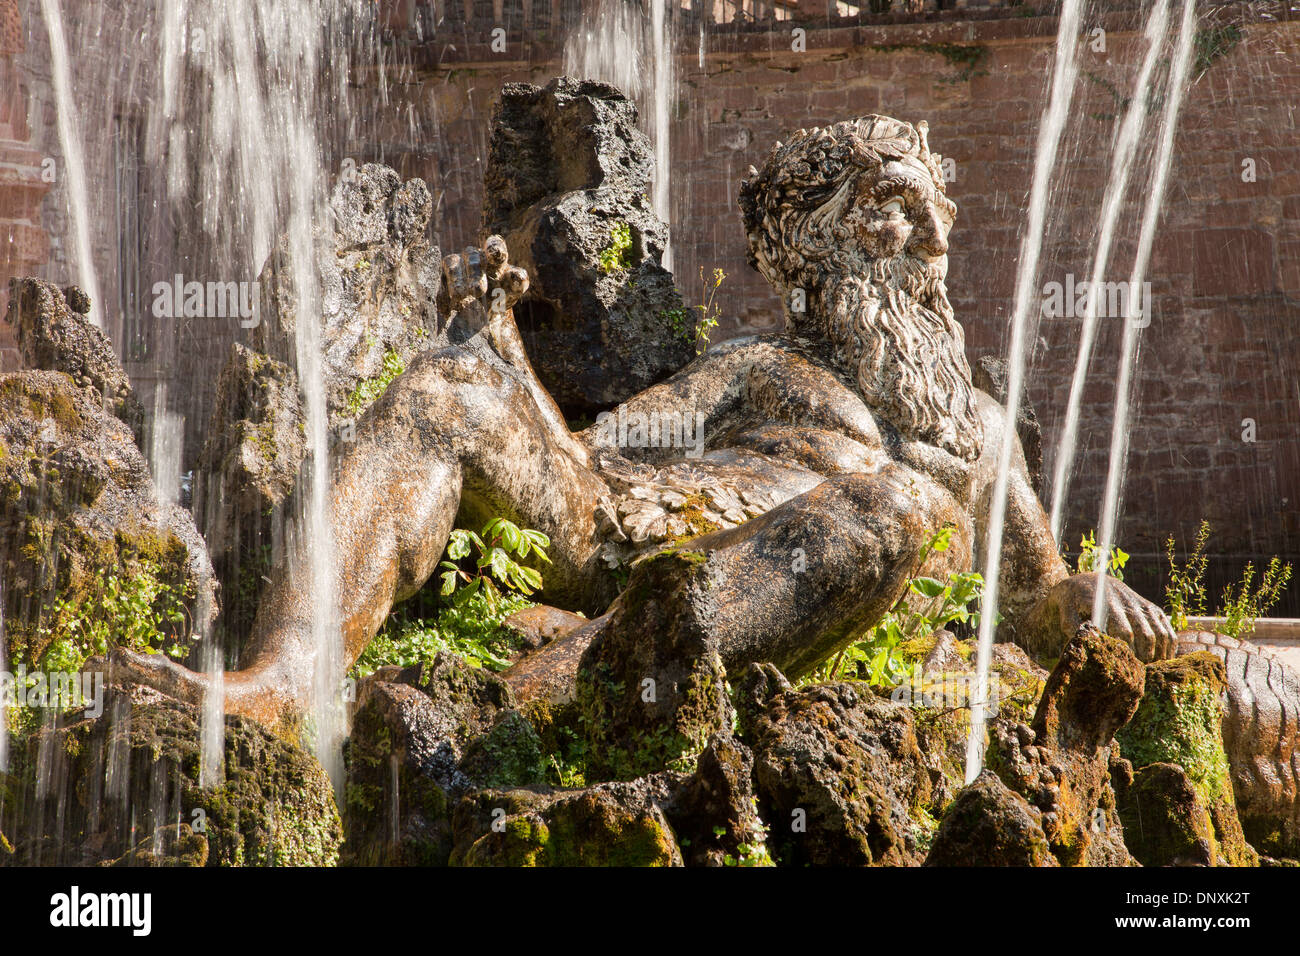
(1061, 762)
(379, 278)
(76, 500)
(610, 824)
(1260, 729)
(839, 773)
(120, 777)
(420, 738)
(651, 686)
(1179, 722)
(989, 825)
(567, 167)
(1166, 823)
(245, 473)
(714, 812)
(54, 335)
(541, 624)
(174, 845)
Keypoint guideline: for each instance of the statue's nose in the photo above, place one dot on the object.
(929, 237)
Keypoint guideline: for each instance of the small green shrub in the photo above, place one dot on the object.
(1241, 604)
(495, 565)
(138, 611)
(473, 631)
(617, 256)
(699, 332)
(1185, 591)
(1090, 560)
(468, 618)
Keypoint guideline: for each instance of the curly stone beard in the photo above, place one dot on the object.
(895, 326)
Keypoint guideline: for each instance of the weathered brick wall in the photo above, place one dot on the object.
(1225, 271)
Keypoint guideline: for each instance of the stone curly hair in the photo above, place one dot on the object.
(792, 208)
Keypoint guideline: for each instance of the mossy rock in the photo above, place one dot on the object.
(1179, 722)
(612, 824)
(136, 768)
(651, 688)
(421, 737)
(79, 504)
(990, 825)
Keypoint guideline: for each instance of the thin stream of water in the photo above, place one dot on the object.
(1178, 83)
(69, 126)
(636, 53)
(1064, 75)
(1122, 160)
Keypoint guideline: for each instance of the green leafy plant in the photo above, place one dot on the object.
(1241, 604)
(497, 563)
(567, 764)
(706, 314)
(1090, 560)
(874, 658)
(368, 390)
(470, 606)
(749, 854)
(617, 256)
(472, 631)
(139, 611)
(1185, 590)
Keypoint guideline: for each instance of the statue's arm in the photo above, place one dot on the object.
(713, 385)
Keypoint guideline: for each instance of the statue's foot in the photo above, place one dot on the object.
(247, 693)
(159, 672)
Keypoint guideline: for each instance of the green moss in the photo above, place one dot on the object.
(617, 256)
(585, 829)
(1179, 721)
(368, 390)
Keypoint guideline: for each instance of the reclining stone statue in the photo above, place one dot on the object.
(832, 450)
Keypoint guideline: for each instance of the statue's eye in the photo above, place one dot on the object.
(892, 205)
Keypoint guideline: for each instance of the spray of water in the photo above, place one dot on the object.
(69, 126)
(1178, 80)
(1064, 74)
(246, 89)
(1121, 165)
(166, 440)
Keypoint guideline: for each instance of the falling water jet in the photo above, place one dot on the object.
(212, 732)
(1121, 165)
(663, 94)
(1178, 77)
(74, 164)
(1064, 74)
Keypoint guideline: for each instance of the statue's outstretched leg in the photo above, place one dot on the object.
(465, 429)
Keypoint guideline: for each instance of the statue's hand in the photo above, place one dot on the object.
(1129, 616)
(482, 276)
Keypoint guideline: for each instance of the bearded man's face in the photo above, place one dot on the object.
(884, 306)
(897, 212)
